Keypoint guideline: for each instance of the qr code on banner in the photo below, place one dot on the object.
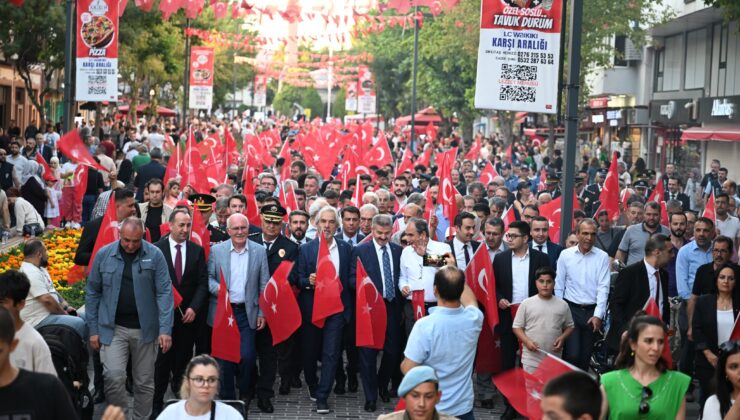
(96, 85)
(518, 72)
(517, 93)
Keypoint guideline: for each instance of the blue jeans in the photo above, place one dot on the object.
(245, 366)
(88, 203)
(467, 416)
(75, 322)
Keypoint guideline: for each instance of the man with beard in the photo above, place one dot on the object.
(297, 225)
(632, 246)
(677, 222)
(154, 212)
(727, 224)
(400, 189)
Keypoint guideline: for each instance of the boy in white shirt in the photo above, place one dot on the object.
(542, 322)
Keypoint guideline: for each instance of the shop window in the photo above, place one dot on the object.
(696, 55)
(668, 65)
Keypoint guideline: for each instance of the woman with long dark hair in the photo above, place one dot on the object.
(642, 387)
(714, 318)
(722, 405)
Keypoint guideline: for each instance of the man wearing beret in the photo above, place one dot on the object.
(420, 392)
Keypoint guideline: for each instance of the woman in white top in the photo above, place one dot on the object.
(198, 392)
(25, 213)
(722, 404)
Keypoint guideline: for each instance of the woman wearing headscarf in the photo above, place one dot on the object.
(32, 188)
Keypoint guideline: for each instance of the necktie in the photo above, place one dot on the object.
(178, 264)
(539, 248)
(657, 289)
(388, 291)
(467, 254)
(267, 246)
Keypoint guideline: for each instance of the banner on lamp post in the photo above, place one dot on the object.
(97, 51)
(519, 55)
(365, 91)
(201, 78)
(260, 90)
(350, 97)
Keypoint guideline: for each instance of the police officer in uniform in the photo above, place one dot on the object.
(284, 356)
(592, 193)
(217, 228)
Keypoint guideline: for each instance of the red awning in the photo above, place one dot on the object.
(423, 117)
(162, 111)
(731, 133)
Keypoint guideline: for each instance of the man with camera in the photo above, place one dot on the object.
(420, 261)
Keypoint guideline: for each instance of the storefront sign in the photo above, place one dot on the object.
(596, 103)
(597, 118)
(519, 55)
(614, 115)
(201, 78)
(365, 92)
(259, 98)
(671, 112)
(97, 51)
(720, 110)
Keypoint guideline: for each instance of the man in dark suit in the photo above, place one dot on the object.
(674, 193)
(322, 343)
(153, 169)
(382, 262)
(188, 270)
(43, 149)
(540, 229)
(279, 249)
(637, 283)
(515, 281)
(350, 226)
(463, 246)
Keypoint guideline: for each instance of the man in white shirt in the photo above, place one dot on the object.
(44, 305)
(414, 274)
(583, 281)
(32, 352)
(727, 224)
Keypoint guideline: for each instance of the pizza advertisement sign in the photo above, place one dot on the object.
(260, 90)
(519, 55)
(365, 91)
(97, 50)
(350, 96)
(201, 78)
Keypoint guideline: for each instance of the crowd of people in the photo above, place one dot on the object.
(581, 299)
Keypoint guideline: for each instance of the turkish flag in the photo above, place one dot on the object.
(488, 354)
(80, 177)
(551, 211)
(71, 145)
(231, 153)
(488, 173)
(380, 154)
(210, 146)
(447, 196)
(173, 163)
(651, 308)
(542, 185)
(252, 212)
(709, 208)
(226, 339)
(609, 196)
(47, 175)
(417, 301)
(169, 7)
(365, 131)
(279, 306)
(425, 158)
(431, 132)
(508, 217)
(474, 151)
(200, 233)
(371, 316)
(288, 201)
(327, 299)
(285, 154)
(406, 163)
(357, 196)
(658, 193)
(349, 167)
(176, 296)
(479, 276)
(191, 168)
(735, 335)
(524, 390)
(108, 229)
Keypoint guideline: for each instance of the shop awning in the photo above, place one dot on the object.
(731, 133)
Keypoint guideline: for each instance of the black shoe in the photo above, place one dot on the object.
(385, 396)
(509, 413)
(487, 404)
(284, 388)
(129, 385)
(352, 384)
(296, 382)
(339, 389)
(370, 406)
(99, 396)
(265, 405)
(322, 408)
(312, 395)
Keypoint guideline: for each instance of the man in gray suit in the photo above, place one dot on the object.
(246, 273)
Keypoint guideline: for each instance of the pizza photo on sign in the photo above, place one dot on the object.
(202, 75)
(97, 31)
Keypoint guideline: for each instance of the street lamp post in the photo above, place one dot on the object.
(413, 80)
(186, 76)
(69, 48)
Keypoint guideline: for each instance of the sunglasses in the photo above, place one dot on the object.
(644, 407)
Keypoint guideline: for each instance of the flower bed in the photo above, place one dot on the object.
(62, 245)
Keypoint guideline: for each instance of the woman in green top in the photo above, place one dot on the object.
(643, 387)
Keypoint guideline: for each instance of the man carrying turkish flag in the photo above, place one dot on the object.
(226, 339)
(323, 273)
(279, 305)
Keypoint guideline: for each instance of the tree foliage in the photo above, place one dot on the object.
(34, 33)
(730, 9)
(305, 97)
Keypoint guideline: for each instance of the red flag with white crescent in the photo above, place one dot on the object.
(108, 229)
(609, 196)
(417, 302)
(327, 299)
(371, 317)
(200, 233)
(651, 308)
(406, 163)
(488, 173)
(226, 338)
(425, 158)
(709, 209)
(380, 154)
(47, 175)
(479, 276)
(71, 145)
(80, 177)
(279, 305)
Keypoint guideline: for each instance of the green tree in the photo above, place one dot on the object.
(337, 104)
(305, 97)
(730, 8)
(33, 40)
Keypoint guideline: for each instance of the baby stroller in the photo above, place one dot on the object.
(69, 354)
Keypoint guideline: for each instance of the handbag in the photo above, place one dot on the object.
(32, 229)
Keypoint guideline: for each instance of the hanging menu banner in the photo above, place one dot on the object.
(260, 90)
(365, 91)
(519, 55)
(201, 78)
(96, 74)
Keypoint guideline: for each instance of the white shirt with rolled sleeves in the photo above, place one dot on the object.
(584, 278)
(415, 275)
